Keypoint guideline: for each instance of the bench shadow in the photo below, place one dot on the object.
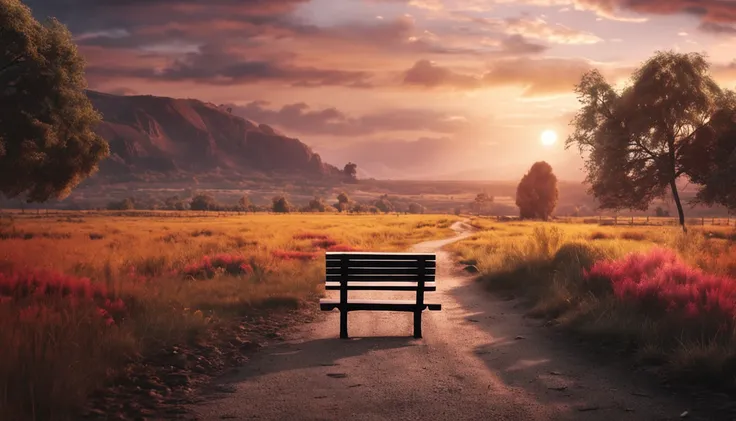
(297, 355)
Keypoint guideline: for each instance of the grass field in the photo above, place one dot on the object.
(668, 296)
(82, 294)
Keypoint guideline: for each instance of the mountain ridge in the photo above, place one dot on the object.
(170, 137)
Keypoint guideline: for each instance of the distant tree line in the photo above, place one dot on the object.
(279, 204)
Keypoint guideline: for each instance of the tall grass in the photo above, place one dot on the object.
(670, 295)
(82, 297)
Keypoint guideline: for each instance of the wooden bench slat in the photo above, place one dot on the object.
(381, 286)
(377, 305)
(378, 278)
(379, 263)
(381, 271)
(377, 255)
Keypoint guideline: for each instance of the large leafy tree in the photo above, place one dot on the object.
(635, 139)
(709, 159)
(47, 145)
(537, 193)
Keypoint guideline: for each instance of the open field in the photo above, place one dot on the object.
(83, 294)
(668, 296)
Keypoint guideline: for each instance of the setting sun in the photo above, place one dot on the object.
(549, 137)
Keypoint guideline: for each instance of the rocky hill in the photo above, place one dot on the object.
(168, 137)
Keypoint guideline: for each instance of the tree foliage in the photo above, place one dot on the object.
(536, 195)
(125, 204)
(280, 204)
(203, 202)
(343, 202)
(637, 139)
(351, 171)
(47, 143)
(317, 205)
(384, 205)
(481, 202)
(245, 205)
(710, 160)
(416, 208)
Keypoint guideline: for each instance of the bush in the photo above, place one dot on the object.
(659, 285)
(211, 266)
(598, 235)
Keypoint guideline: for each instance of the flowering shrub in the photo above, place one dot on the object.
(210, 266)
(658, 283)
(40, 283)
(294, 255)
(43, 294)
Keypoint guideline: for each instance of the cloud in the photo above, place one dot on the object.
(301, 118)
(717, 28)
(539, 28)
(218, 65)
(428, 74)
(723, 11)
(537, 77)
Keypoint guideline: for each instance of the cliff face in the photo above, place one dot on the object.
(162, 135)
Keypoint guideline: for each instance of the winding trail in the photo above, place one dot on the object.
(480, 359)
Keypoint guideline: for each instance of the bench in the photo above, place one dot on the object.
(413, 272)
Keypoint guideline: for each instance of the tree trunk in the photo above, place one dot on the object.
(680, 212)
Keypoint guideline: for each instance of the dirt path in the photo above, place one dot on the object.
(480, 359)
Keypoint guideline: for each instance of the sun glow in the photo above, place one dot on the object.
(548, 138)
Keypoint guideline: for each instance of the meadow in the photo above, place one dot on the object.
(667, 297)
(82, 294)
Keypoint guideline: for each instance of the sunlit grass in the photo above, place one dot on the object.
(547, 264)
(175, 276)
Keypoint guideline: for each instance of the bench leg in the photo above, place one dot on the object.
(417, 324)
(343, 324)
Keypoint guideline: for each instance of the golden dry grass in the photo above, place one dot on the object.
(53, 356)
(544, 263)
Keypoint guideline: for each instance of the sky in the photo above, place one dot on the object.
(442, 89)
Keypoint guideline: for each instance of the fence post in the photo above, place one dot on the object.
(702, 221)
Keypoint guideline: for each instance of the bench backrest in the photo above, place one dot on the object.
(380, 267)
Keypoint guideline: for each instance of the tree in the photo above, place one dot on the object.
(244, 204)
(175, 203)
(384, 205)
(317, 205)
(203, 202)
(416, 208)
(281, 205)
(637, 138)
(125, 204)
(661, 213)
(710, 160)
(47, 142)
(343, 202)
(351, 171)
(481, 202)
(359, 208)
(536, 195)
